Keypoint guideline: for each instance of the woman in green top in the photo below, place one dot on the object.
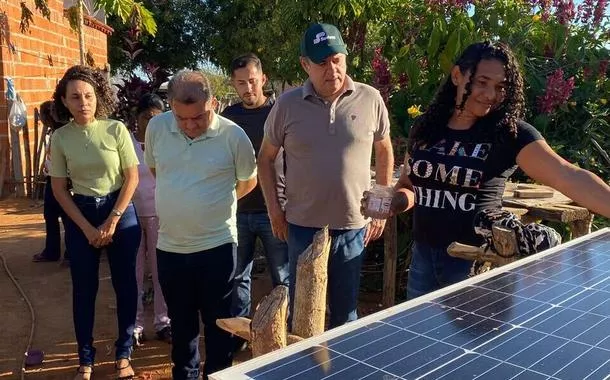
(97, 154)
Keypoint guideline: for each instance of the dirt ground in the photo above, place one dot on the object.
(47, 286)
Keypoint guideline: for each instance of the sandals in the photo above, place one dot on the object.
(84, 372)
(119, 369)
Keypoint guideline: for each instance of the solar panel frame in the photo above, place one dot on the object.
(420, 313)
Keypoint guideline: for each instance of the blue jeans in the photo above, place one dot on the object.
(432, 268)
(84, 269)
(195, 284)
(249, 227)
(344, 265)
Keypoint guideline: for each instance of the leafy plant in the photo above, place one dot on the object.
(128, 11)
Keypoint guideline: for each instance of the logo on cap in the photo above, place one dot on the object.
(322, 37)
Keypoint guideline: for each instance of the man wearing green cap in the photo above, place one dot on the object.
(328, 129)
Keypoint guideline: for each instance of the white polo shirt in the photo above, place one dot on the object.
(195, 195)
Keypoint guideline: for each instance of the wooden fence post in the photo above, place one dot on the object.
(310, 287)
(390, 257)
(269, 329)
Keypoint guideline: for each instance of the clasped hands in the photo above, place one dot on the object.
(102, 235)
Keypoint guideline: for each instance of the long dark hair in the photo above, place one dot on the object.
(97, 79)
(429, 127)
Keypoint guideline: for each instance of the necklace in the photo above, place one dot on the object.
(88, 135)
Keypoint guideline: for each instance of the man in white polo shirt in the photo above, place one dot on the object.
(203, 163)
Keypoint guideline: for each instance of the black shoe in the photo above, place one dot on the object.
(165, 334)
(43, 258)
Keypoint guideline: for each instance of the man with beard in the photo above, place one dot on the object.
(252, 220)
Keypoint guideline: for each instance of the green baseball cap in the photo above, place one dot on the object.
(321, 41)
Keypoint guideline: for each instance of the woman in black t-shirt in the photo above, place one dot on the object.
(460, 153)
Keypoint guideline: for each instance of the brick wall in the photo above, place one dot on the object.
(37, 62)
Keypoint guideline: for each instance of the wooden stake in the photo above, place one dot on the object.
(3, 164)
(239, 326)
(310, 287)
(269, 328)
(16, 158)
(28, 159)
(390, 258)
(581, 227)
(290, 339)
(533, 193)
(505, 243)
(38, 164)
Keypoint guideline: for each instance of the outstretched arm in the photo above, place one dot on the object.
(539, 161)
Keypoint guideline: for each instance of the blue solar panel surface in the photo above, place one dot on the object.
(545, 318)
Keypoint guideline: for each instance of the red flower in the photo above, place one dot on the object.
(382, 77)
(557, 92)
(565, 11)
(603, 68)
(600, 10)
(403, 81)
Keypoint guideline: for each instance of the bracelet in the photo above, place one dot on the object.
(116, 212)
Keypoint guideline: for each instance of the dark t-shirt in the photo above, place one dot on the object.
(459, 175)
(252, 121)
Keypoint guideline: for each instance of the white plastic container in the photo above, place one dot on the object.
(379, 202)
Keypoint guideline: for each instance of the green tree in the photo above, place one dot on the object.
(273, 29)
(130, 11)
(177, 44)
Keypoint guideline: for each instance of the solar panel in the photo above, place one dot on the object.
(546, 316)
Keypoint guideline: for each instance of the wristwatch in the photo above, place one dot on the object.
(116, 212)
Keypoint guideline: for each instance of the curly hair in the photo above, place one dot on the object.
(429, 127)
(97, 79)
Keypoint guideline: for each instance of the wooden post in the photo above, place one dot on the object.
(3, 163)
(80, 31)
(310, 287)
(239, 326)
(16, 158)
(581, 227)
(28, 159)
(37, 167)
(390, 257)
(269, 328)
(505, 243)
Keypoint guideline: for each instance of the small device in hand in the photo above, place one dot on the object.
(379, 202)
